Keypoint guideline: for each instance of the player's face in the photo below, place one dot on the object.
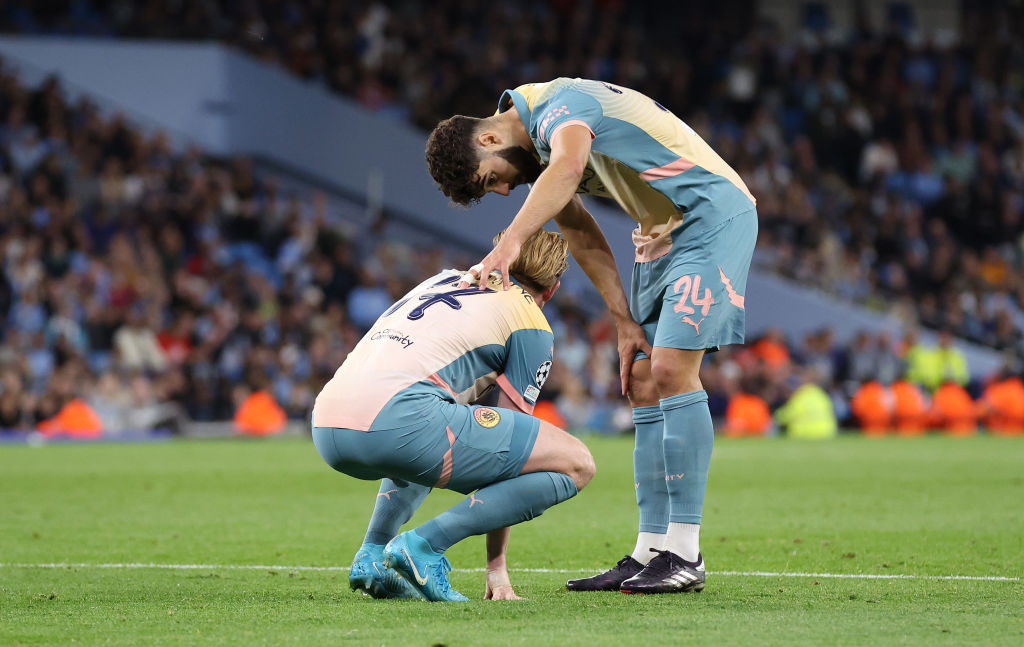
(497, 174)
(505, 169)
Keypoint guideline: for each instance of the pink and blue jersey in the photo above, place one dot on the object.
(644, 157)
(442, 341)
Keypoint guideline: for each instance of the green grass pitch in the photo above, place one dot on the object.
(914, 507)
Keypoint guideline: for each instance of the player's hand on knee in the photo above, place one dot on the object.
(631, 340)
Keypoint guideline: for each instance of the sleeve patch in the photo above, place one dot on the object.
(549, 116)
(542, 373)
(531, 394)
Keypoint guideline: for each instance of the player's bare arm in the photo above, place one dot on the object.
(554, 188)
(498, 585)
(591, 250)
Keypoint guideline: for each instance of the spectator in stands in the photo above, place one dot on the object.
(951, 362)
(111, 402)
(809, 412)
(368, 300)
(136, 344)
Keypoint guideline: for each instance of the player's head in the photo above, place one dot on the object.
(542, 260)
(468, 157)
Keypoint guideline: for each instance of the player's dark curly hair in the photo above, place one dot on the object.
(452, 159)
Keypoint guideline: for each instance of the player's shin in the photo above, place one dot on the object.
(689, 437)
(500, 504)
(394, 506)
(649, 480)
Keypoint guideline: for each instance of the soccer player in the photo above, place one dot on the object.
(696, 227)
(397, 410)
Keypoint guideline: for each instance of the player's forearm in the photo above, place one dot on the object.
(599, 265)
(591, 250)
(553, 189)
(497, 545)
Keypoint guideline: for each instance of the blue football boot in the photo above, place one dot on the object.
(415, 560)
(369, 575)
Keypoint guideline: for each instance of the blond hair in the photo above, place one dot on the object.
(542, 259)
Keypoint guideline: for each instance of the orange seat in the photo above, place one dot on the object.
(774, 354)
(911, 408)
(1003, 407)
(954, 411)
(747, 415)
(260, 415)
(548, 412)
(76, 419)
(873, 407)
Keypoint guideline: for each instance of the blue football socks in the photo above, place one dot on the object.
(689, 437)
(649, 469)
(498, 505)
(395, 505)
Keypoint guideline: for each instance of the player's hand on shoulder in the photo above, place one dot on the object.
(500, 258)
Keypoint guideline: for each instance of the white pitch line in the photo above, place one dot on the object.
(872, 576)
(261, 567)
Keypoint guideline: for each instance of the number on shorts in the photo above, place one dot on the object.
(688, 287)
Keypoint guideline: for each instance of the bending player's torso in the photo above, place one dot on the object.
(643, 156)
(438, 339)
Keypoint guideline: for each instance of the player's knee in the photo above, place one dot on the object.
(669, 378)
(584, 469)
(643, 392)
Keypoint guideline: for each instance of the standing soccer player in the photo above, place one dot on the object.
(397, 410)
(696, 230)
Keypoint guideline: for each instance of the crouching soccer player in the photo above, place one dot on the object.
(397, 410)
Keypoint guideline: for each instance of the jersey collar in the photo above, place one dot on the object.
(533, 301)
(519, 101)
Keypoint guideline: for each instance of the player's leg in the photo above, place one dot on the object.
(702, 309)
(648, 479)
(559, 466)
(372, 455)
(558, 451)
(689, 438)
(395, 504)
(645, 306)
(648, 463)
(530, 466)
(688, 441)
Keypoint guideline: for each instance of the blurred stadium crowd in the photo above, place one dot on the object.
(161, 286)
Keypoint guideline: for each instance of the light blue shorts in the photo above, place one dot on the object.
(452, 446)
(692, 298)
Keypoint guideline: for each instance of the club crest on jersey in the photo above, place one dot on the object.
(486, 417)
(542, 373)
